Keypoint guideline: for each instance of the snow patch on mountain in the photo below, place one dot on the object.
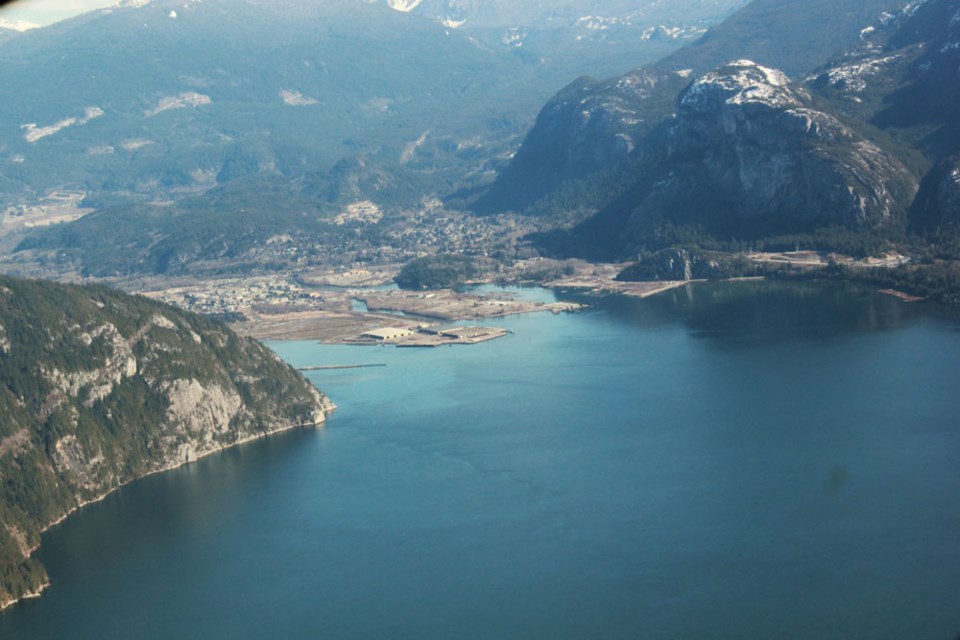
(814, 124)
(411, 149)
(135, 143)
(378, 104)
(600, 23)
(17, 25)
(100, 150)
(294, 98)
(514, 37)
(637, 84)
(911, 8)
(663, 32)
(405, 6)
(738, 83)
(35, 133)
(853, 77)
(184, 100)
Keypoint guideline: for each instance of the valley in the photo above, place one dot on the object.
(610, 171)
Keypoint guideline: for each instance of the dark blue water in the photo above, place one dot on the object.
(731, 461)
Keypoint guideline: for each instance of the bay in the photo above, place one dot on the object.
(721, 461)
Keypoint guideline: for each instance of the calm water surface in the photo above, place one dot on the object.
(738, 461)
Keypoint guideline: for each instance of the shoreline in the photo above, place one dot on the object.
(338, 327)
(344, 327)
(640, 290)
(33, 595)
(901, 295)
(38, 592)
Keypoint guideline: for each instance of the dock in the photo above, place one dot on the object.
(329, 367)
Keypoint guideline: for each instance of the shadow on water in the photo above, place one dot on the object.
(757, 313)
(159, 510)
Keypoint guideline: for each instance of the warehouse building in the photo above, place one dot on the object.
(386, 334)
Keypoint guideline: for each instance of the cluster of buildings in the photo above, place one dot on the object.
(451, 232)
(233, 296)
(427, 336)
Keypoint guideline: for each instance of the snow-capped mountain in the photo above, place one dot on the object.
(775, 33)
(583, 36)
(749, 152)
(562, 13)
(17, 25)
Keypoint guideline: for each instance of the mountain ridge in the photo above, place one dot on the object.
(760, 31)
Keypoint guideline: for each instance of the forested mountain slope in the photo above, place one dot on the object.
(98, 388)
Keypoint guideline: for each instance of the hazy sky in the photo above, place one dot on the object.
(47, 11)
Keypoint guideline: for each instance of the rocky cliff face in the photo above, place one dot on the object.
(591, 126)
(99, 389)
(868, 141)
(748, 152)
(938, 203)
(901, 83)
(588, 127)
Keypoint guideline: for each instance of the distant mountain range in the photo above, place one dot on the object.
(559, 13)
(578, 36)
(159, 97)
(864, 136)
(786, 118)
(591, 22)
(316, 103)
(152, 98)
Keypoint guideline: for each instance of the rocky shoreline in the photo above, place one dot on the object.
(33, 595)
(328, 408)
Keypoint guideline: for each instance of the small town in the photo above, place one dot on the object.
(299, 308)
